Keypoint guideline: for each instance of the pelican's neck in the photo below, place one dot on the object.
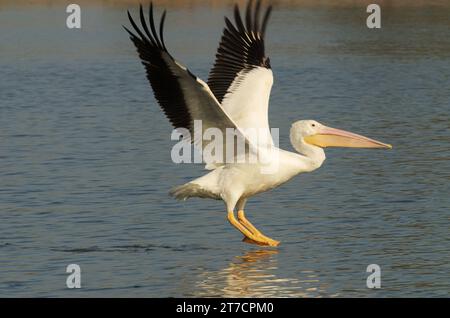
(311, 157)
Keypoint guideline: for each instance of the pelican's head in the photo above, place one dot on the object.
(311, 132)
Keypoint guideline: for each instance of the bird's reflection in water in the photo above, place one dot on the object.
(254, 274)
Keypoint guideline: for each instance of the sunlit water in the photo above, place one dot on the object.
(85, 162)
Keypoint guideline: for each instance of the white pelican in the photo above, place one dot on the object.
(236, 96)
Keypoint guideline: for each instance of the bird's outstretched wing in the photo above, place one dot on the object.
(182, 96)
(241, 78)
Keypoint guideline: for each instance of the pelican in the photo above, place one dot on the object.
(236, 96)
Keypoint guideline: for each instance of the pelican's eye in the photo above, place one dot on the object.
(314, 125)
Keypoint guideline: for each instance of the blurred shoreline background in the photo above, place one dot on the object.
(222, 3)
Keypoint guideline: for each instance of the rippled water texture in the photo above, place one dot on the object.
(85, 162)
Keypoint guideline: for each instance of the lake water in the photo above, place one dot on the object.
(85, 164)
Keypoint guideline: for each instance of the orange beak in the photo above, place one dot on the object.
(332, 137)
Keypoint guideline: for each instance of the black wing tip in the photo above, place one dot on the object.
(152, 36)
(126, 29)
(251, 24)
(133, 24)
(241, 47)
(266, 19)
(161, 29)
(129, 16)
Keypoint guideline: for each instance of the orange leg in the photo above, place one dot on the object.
(243, 220)
(249, 236)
